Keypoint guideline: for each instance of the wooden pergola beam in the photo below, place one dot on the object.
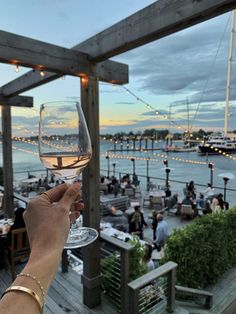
(108, 71)
(27, 52)
(17, 101)
(162, 18)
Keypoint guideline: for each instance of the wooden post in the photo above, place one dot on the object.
(133, 301)
(8, 205)
(91, 195)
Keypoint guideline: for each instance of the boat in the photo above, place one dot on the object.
(217, 144)
(180, 149)
(187, 147)
(222, 143)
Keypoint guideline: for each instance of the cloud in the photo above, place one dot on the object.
(183, 62)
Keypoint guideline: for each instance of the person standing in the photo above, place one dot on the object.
(154, 223)
(135, 226)
(162, 232)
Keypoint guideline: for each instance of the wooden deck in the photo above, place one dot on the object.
(65, 295)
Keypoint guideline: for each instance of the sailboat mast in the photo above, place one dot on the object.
(231, 44)
(188, 118)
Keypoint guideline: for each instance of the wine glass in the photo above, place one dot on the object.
(65, 149)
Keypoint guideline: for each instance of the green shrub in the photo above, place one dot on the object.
(137, 266)
(203, 250)
(111, 263)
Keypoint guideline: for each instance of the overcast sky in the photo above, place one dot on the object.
(187, 67)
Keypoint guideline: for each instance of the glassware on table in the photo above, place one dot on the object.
(65, 149)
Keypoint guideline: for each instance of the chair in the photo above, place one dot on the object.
(186, 211)
(19, 248)
(157, 201)
(146, 202)
(129, 192)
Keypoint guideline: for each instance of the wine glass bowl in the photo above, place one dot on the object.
(64, 141)
(65, 149)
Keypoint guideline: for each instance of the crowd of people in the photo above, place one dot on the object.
(109, 185)
(207, 201)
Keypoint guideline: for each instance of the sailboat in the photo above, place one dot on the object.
(187, 147)
(223, 143)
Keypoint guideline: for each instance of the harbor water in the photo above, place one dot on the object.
(184, 166)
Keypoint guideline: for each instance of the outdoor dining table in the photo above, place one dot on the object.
(159, 193)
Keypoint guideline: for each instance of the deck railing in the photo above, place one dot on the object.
(115, 271)
(153, 291)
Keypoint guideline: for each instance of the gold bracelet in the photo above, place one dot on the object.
(36, 280)
(29, 292)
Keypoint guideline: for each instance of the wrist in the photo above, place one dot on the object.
(43, 267)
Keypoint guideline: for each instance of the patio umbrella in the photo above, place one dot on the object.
(227, 175)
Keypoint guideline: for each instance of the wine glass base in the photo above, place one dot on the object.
(81, 237)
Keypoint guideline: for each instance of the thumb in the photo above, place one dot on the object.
(70, 196)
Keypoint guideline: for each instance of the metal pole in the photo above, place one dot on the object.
(108, 166)
(167, 177)
(148, 179)
(211, 177)
(211, 167)
(225, 183)
(114, 168)
(133, 161)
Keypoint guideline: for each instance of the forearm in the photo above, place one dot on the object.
(44, 269)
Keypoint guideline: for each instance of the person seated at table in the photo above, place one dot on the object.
(217, 204)
(117, 219)
(129, 185)
(135, 181)
(168, 192)
(191, 189)
(103, 186)
(18, 221)
(45, 184)
(207, 208)
(187, 200)
(209, 191)
(116, 187)
(200, 201)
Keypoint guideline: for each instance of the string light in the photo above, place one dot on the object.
(138, 99)
(166, 117)
(42, 73)
(17, 68)
(162, 156)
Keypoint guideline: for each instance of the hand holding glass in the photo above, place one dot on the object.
(65, 149)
